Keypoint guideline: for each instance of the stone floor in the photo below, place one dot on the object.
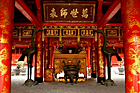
(89, 86)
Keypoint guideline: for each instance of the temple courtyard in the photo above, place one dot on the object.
(89, 86)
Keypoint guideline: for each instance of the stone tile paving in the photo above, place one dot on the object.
(90, 86)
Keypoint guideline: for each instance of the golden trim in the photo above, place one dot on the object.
(60, 37)
(15, 33)
(138, 82)
(132, 90)
(66, 4)
(43, 35)
(119, 32)
(7, 78)
(2, 26)
(3, 40)
(3, 56)
(20, 35)
(76, 34)
(112, 32)
(95, 37)
(78, 38)
(27, 32)
(71, 21)
(70, 55)
(79, 80)
(71, 27)
(118, 28)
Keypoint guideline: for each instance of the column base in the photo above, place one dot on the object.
(100, 79)
(39, 79)
(109, 82)
(30, 82)
(93, 75)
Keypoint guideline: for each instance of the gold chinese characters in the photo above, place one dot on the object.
(73, 13)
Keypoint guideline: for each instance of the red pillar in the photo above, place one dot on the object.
(39, 58)
(6, 34)
(88, 56)
(131, 33)
(100, 59)
(46, 59)
(51, 57)
(94, 59)
(39, 53)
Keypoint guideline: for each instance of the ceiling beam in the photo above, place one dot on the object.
(99, 13)
(114, 8)
(70, 24)
(114, 24)
(63, 1)
(38, 4)
(100, 3)
(107, 2)
(39, 10)
(24, 9)
(64, 24)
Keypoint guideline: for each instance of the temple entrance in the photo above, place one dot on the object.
(74, 41)
(69, 19)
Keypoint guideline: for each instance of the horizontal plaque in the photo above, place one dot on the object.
(69, 32)
(27, 32)
(112, 32)
(69, 12)
(51, 32)
(121, 32)
(15, 33)
(87, 32)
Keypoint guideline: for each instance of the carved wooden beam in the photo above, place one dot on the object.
(58, 24)
(100, 3)
(24, 9)
(107, 2)
(39, 11)
(114, 24)
(38, 4)
(99, 11)
(70, 24)
(23, 24)
(60, 1)
(114, 8)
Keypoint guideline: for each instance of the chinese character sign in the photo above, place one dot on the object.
(85, 13)
(63, 12)
(69, 12)
(74, 13)
(53, 13)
